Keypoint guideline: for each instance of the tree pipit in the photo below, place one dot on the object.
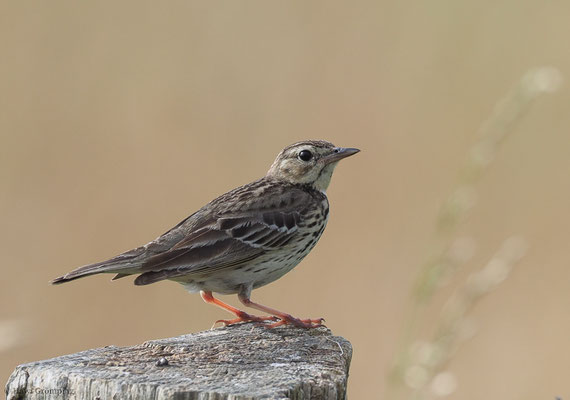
(243, 239)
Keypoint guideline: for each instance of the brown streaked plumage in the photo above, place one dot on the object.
(245, 238)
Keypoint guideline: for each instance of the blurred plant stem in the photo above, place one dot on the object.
(418, 365)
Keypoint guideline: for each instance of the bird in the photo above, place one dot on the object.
(243, 239)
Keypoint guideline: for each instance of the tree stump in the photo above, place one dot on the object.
(245, 361)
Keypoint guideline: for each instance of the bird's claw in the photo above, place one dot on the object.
(299, 323)
(245, 318)
(276, 321)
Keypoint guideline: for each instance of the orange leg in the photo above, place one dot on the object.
(241, 315)
(285, 319)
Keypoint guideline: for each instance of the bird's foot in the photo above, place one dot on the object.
(287, 319)
(245, 317)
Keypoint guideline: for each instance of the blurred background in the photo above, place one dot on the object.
(117, 120)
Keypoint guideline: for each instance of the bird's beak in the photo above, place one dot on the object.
(339, 153)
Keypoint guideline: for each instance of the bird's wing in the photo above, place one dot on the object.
(228, 239)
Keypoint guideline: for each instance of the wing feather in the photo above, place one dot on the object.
(232, 238)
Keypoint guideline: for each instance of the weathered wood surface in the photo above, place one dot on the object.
(245, 361)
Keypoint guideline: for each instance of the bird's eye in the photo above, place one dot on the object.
(305, 155)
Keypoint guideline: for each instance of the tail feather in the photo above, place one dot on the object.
(65, 278)
(86, 270)
(122, 265)
(119, 276)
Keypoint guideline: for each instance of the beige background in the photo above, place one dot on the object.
(118, 119)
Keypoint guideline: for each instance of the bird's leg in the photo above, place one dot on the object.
(285, 319)
(241, 315)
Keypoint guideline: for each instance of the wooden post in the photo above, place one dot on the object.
(244, 361)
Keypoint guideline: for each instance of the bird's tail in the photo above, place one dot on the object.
(123, 265)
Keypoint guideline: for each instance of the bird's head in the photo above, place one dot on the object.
(310, 162)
